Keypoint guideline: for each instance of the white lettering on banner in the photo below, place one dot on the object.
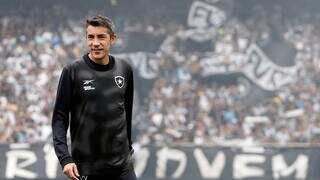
(164, 155)
(203, 15)
(207, 169)
(145, 63)
(141, 160)
(280, 168)
(15, 168)
(214, 63)
(264, 72)
(51, 159)
(241, 168)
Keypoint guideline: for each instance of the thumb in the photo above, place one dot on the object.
(75, 170)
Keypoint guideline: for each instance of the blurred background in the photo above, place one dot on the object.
(224, 89)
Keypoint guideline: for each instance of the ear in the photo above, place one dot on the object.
(113, 39)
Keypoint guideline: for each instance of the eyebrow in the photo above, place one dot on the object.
(97, 34)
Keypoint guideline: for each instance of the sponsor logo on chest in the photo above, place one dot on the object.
(88, 84)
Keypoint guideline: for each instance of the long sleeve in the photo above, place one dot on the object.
(129, 105)
(60, 118)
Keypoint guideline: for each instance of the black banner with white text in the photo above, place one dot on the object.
(24, 161)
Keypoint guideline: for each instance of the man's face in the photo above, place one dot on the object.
(99, 42)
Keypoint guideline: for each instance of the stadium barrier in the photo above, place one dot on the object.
(38, 161)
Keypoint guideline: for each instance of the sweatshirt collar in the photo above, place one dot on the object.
(99, 67)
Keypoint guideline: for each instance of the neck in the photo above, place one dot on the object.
(103, 61)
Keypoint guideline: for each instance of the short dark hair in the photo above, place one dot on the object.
(100, 20)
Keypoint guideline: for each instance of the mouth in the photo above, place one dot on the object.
(96, 50)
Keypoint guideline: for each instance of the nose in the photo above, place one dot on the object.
(95, 42)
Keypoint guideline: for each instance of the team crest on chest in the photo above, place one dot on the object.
(119, 81)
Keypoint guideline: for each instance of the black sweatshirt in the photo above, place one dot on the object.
(99, 98)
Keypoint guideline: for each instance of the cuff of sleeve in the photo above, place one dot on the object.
(66, 161)
(131, 150)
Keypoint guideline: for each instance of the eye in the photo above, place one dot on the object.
(102, 36)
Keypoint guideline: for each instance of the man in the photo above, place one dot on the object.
(97, 91)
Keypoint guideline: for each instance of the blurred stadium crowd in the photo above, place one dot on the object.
(180, 106)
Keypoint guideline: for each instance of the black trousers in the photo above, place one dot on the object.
(130, 175)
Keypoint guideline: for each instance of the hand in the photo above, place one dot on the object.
(71, 171)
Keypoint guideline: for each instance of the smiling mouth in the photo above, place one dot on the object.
(97, 49)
